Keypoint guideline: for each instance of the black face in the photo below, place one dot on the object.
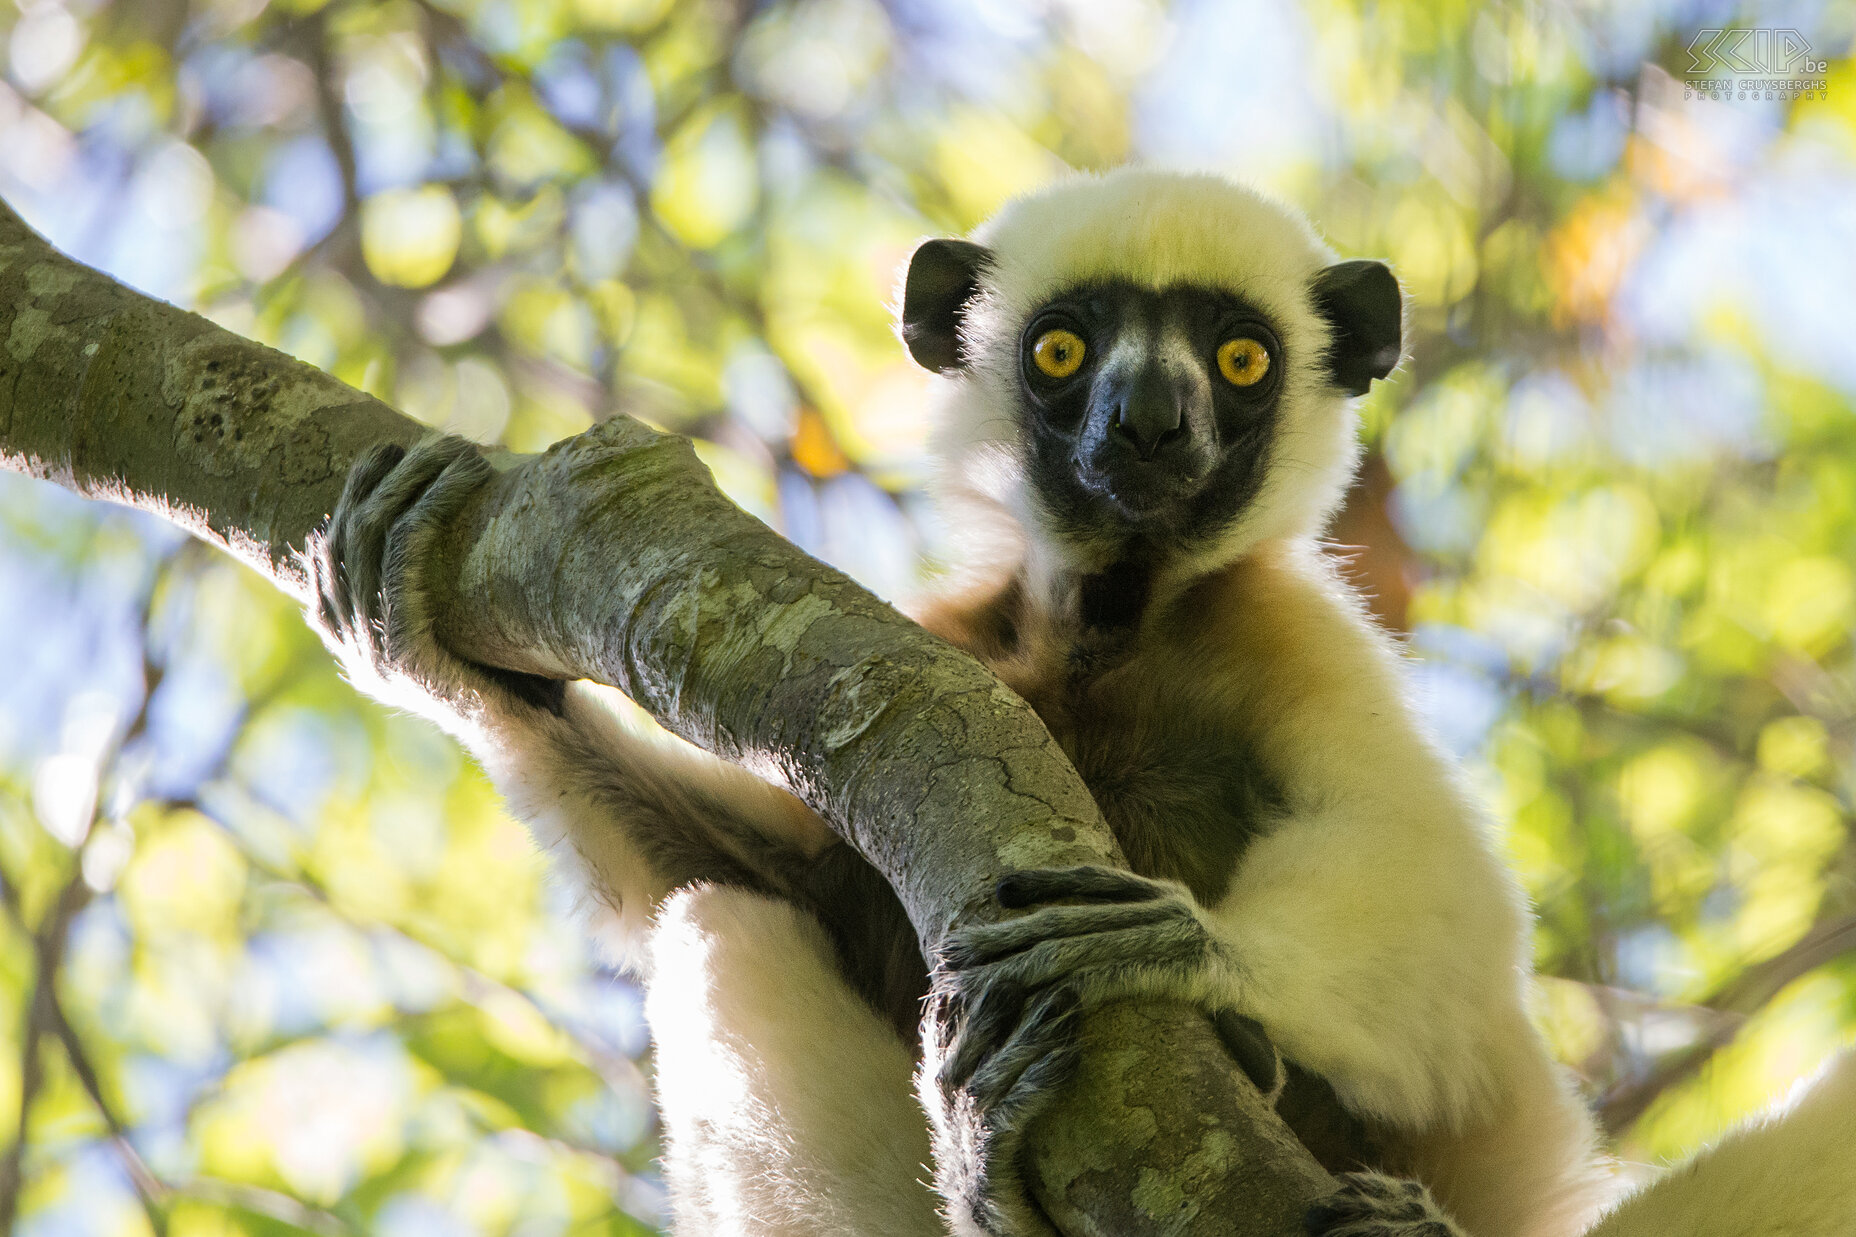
(1152, 413)
(1146, 411)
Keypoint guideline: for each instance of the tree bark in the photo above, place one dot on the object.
(613, 557)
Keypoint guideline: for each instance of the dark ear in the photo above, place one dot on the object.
(943, 276)
(1360, 300)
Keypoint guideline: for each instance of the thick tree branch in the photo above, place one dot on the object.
(613, 557)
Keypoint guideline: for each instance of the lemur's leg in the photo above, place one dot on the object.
(1506, 1171)
(625, 818)
(786, 1101)
(1790, 1172)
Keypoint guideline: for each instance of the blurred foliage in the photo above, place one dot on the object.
(274, 960)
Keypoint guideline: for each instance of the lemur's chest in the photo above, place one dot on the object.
(1184, 788)
(1167, 747)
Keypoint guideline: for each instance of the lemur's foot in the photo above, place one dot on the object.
(372, 596)
(1375, 1205)
(1002, 1034)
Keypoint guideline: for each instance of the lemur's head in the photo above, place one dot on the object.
(1150, 363)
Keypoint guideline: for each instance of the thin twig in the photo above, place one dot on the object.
(12, 1168)
(148, 1186)
(1740, 998)
(260, 1201)
(48, 945)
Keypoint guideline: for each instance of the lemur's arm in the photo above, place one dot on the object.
(1375, 899)
(626, 819)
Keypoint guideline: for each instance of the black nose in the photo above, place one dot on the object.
(1148, 413)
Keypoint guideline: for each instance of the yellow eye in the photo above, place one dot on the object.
(1058, 353)
(1243, 362)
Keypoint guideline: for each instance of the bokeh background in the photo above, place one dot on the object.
(273, 960)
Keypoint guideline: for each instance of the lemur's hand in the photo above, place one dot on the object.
(1001, 1031)
(368, 569)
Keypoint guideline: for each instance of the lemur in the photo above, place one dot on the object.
(1146, 418)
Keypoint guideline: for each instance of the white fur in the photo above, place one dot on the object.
(786, 1102)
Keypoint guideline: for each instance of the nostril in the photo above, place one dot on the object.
(1145, 415)
(1146, 436)
(1124, 425)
